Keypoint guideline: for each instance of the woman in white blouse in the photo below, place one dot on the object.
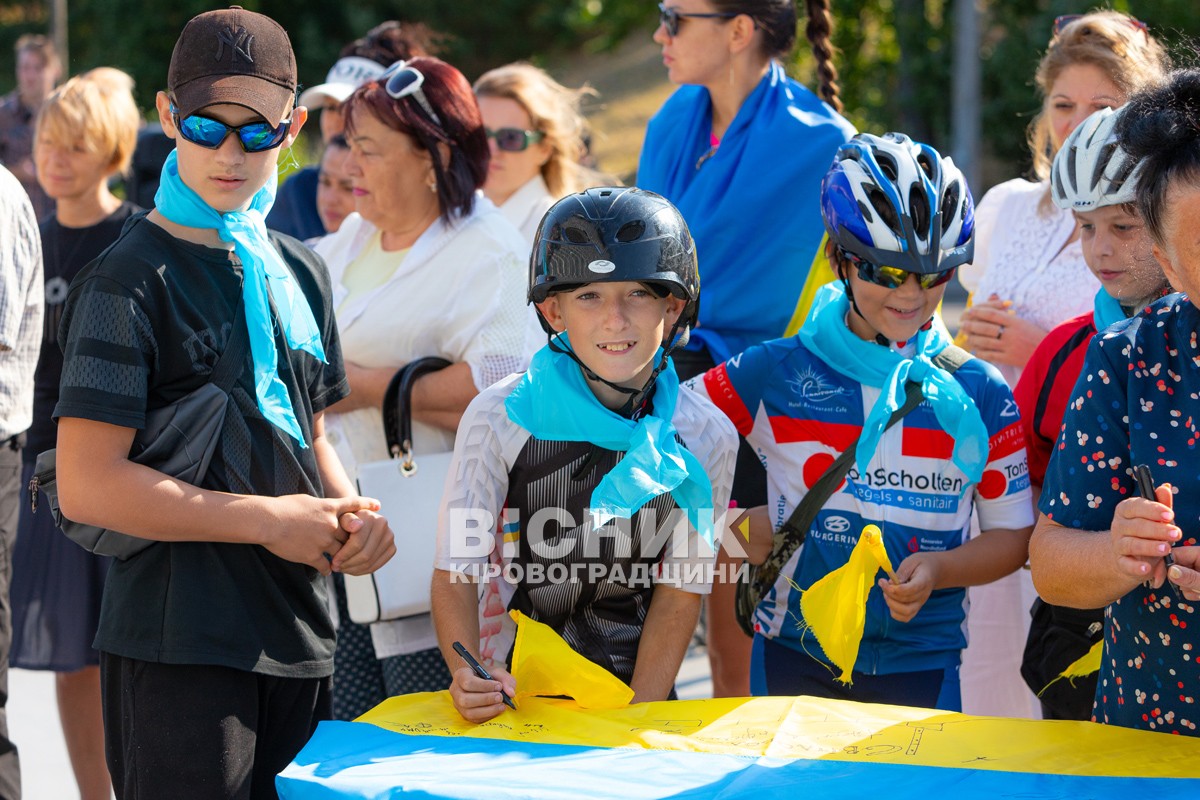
(536, 134)
(1029, 274)
(425, 267)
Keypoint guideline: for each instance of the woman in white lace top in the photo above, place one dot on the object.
(1029, 274)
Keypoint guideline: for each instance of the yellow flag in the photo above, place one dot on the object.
(835, 607)
(545, 666)
(1086, 664)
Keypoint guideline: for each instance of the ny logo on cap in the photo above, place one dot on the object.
(239, 41)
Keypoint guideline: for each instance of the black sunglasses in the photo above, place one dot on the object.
(1062, 22)
(400, 81)
(514, 140)
(894, 277)
(255, 137)
(669, 18)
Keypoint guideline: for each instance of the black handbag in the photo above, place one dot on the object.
(178, 440)
(755, 582)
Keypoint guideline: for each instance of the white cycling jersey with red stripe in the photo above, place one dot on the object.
(799, 414)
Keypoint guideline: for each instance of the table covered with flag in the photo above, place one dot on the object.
(598, 746)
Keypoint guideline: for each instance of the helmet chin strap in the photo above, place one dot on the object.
(879, 337)
(633, 406)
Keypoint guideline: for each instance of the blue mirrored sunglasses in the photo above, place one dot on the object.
(255, 137)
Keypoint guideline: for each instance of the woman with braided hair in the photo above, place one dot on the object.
(740, 149)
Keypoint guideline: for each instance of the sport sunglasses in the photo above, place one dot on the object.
(400, 81)
(669, 18)
(894, 277)
(514, 140)
(255, 137)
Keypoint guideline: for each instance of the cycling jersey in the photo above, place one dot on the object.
(593, 587)
(799, 415)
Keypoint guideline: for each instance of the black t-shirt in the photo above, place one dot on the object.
(65, 251)
(144, 325)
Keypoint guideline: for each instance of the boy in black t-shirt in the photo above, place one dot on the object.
(216, 643)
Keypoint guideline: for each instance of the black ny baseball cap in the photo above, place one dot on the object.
(233, 56)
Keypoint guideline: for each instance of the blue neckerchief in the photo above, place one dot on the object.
(826, 334)
(763, 184)
(1108, 310)
(553, 402)
(261, 266)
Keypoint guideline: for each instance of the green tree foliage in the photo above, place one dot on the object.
(895, 56)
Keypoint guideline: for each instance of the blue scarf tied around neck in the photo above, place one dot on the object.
(262, 266)
(1107, 310)
(826, 334)
(554, 403)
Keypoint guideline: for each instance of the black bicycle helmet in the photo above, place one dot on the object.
(612, 234)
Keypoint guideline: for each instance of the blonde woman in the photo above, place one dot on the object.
(536, 136)
(85, 134)
(1029, 275)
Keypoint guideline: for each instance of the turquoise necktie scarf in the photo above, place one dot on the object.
(262, 267)
(554, 403)
(1107, 310)
(826, 334)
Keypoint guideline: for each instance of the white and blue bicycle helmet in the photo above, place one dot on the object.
(895, 202)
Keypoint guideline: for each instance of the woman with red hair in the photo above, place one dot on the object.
(426, 266)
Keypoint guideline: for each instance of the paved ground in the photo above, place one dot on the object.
(33, 715)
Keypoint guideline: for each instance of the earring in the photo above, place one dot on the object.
(432, 186)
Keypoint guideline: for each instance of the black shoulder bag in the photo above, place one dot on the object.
(178, 440)
(759, 579)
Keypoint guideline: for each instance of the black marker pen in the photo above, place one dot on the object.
(1145, 482)
(478, 669)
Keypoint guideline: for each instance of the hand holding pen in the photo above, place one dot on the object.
(480, 695)
(1150, 533)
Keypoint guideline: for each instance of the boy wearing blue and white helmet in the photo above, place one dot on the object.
(900, 221)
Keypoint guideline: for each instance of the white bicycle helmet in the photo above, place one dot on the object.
(1091, 169)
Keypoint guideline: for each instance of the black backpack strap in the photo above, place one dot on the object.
(229, 365)
(792, 533)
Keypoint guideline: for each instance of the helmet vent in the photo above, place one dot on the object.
(575, 235)
(918, 205)
(926, 165)
(631, 231)
(887, 164)
(883, 208)
(865, 210)
(950, 199)
(1071, 170)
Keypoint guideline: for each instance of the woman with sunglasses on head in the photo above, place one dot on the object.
(900, 222)
(296, 211)
(85, 133)
(426, 266)
(535, 132)
(739, 148)
(1029, 276)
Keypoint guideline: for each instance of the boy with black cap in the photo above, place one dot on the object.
(216, 643)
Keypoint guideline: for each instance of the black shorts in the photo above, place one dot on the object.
(197, 731)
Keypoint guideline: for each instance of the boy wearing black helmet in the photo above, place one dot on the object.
(597, 437)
